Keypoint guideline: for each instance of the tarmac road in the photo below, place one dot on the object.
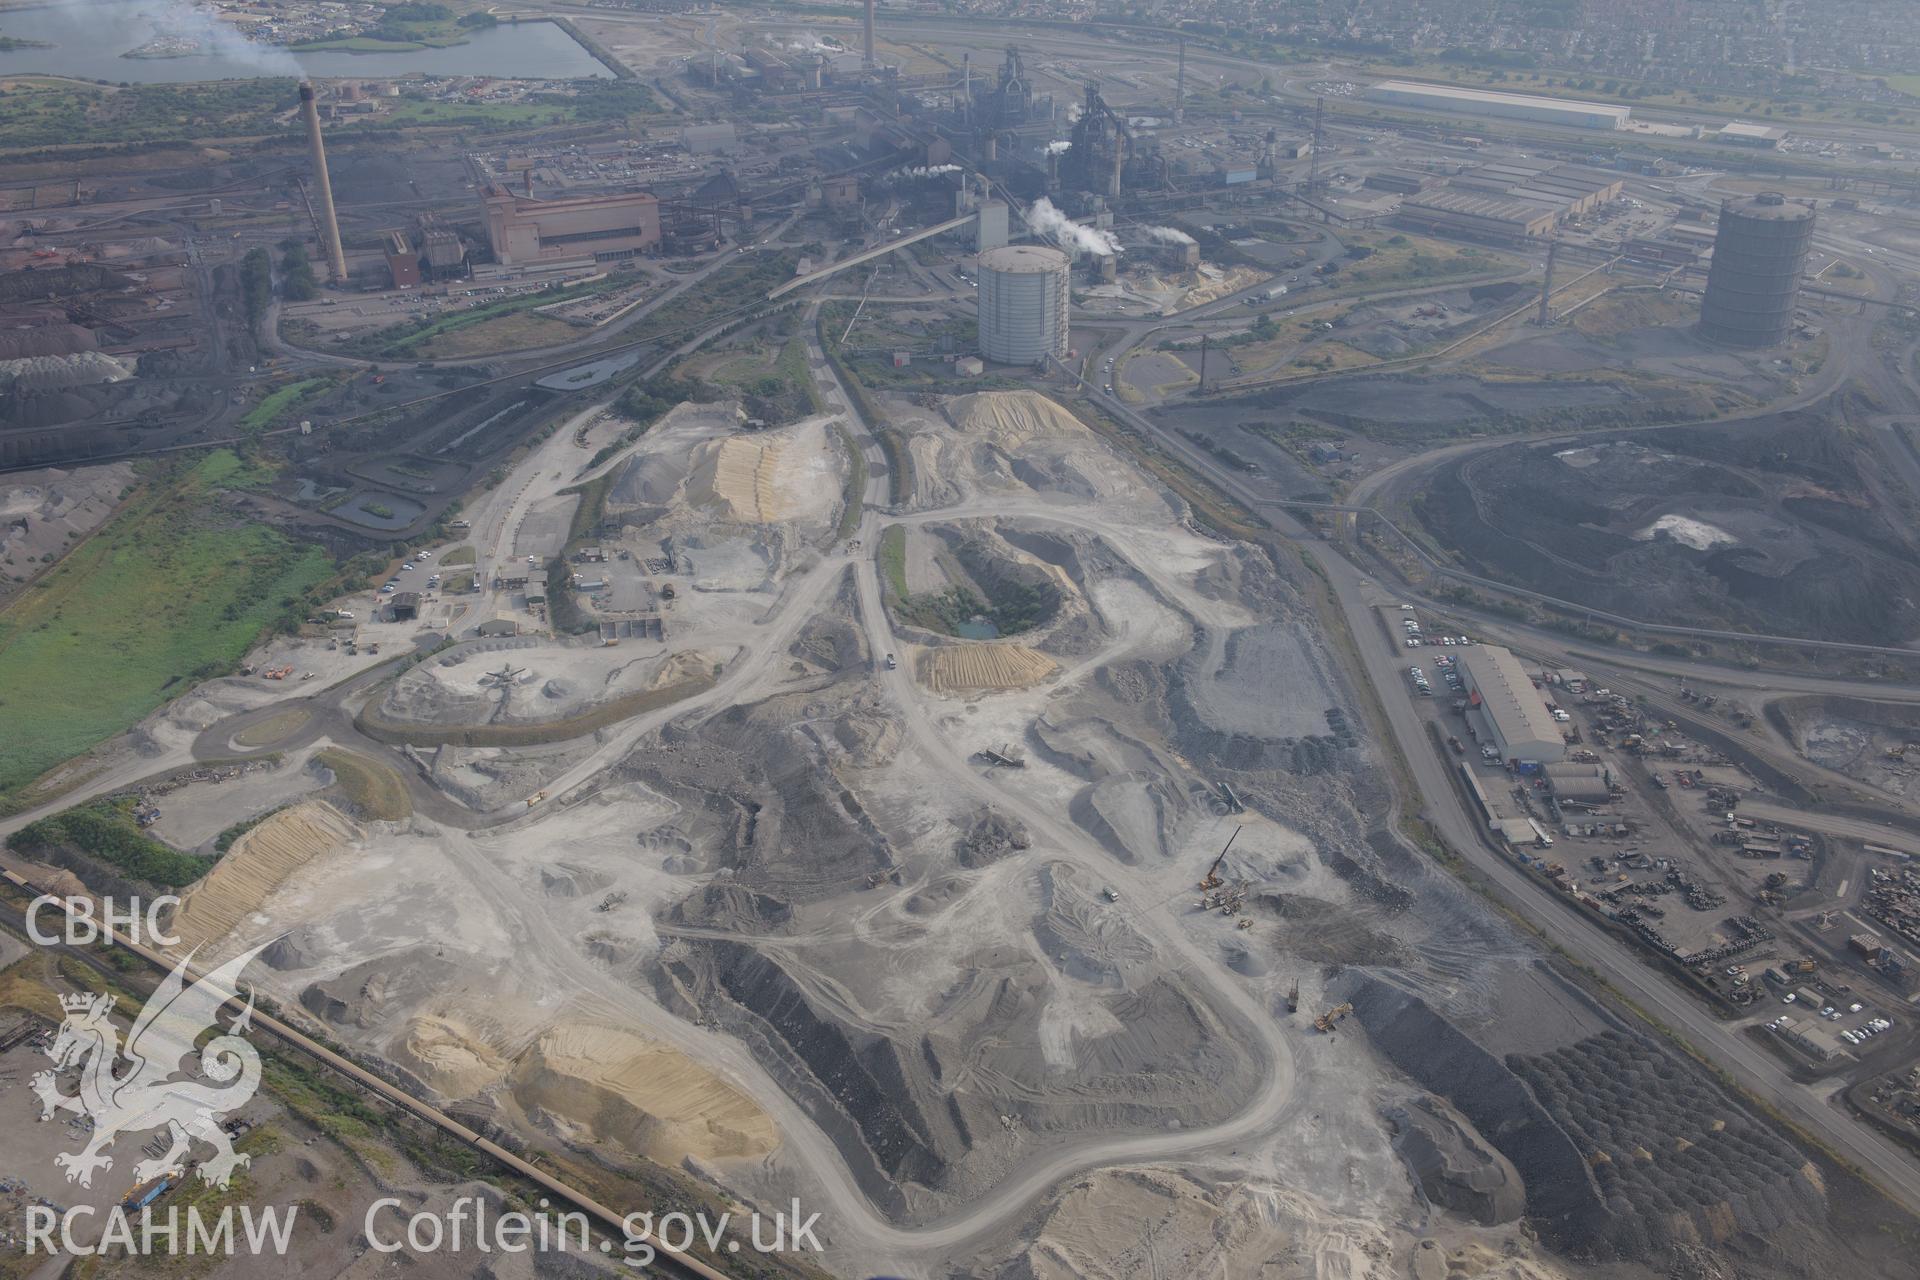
(1878, 833)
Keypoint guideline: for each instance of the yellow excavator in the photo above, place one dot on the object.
(1326, 1020)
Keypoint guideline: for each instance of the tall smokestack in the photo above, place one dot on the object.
(871, 62)
(329, 224)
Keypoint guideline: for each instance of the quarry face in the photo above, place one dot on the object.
(888, 873)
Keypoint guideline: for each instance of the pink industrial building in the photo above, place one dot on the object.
(607, 227)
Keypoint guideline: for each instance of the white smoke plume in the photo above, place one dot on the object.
(215, 36)
(1074, 112)
(807, 42)
(1046, 220)
(1168, 235)
(927, 171)
(1058, 146)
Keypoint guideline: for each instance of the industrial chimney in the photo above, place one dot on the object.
(870, 58)
(329, 224)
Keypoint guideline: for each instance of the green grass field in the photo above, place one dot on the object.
(59, 113)
(893, 559)
(277, 403)
(173, 589)
(407, 339)
(855, 493)
(518, 114)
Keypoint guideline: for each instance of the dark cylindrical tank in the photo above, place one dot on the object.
(1758, 256)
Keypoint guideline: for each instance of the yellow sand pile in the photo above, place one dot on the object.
(453, 1059)
(951, 668)
(741, 477)
(259, 862)
(767, 476)
(1012, 418)
(687, 664)
(643, 1097)
(1207, 290)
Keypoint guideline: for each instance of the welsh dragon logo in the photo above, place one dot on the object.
(131, 1089)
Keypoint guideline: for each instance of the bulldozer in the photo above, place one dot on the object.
(1325, 1022)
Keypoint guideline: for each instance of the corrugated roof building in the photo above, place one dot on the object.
(1522, 727)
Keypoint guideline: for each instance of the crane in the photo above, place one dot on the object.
(1212, 880)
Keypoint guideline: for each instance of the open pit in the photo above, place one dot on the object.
(1877, 743)
(921, 941)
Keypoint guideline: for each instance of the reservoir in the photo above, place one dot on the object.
(89, 39)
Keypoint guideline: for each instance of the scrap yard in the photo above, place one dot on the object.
(1082, 644)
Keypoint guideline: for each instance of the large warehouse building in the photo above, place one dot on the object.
(1511, 106)
(606, 227)
(1511, 708)
(1479, 217)
(1509, 201)
(1570, 189)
